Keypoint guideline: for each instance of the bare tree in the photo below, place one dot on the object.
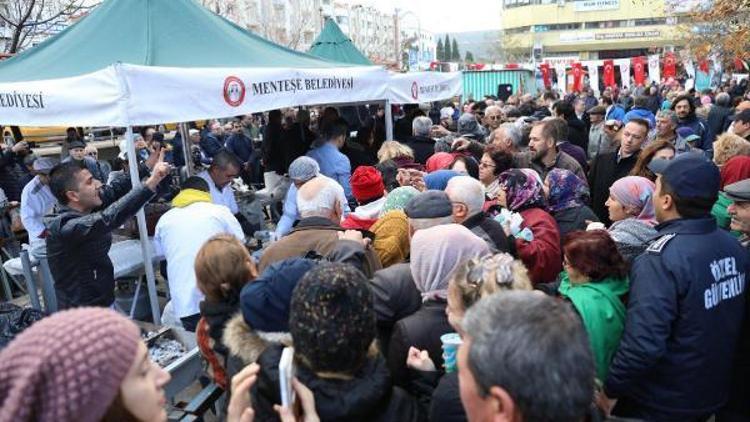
(27, 19)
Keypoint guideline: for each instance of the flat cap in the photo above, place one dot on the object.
(738, 191)
(429, 204)
(44, 165)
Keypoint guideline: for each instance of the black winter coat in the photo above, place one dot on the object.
(718, 119)
(577, 133)
(423, 147)
(368, 396)
(604, 171)
(78, 245)
(421, 330)
(573, 219)
(439, 397)
(395, 296)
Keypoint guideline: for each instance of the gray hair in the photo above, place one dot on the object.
(513, 132)
(723, 99)
(426, 223)
(547, 331)
(323, 203)
(468, 190)
(421, 126)
(668, 114)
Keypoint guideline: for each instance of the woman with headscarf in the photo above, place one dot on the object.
(391, 231)
(521, 191)
(632, 211)
(435, 253)
(473, 280)
(734, 170)
(567, 198)
(438, 180)
(439, 161)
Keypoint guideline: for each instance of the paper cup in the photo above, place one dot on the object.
(450, 342)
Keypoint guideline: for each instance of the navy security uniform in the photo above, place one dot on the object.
(685, 313)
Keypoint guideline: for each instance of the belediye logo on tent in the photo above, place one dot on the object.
(234, 91)
(415, 90)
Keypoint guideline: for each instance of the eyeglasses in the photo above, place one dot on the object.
(486, 165)
(495, 117)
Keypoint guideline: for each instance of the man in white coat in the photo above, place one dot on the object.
(179, 235)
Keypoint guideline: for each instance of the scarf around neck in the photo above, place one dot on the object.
(190, 196)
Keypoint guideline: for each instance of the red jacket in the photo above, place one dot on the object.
(542, 256)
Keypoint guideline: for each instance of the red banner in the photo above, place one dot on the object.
(638, 73)
(670, 70)
(544, 68)
(609, 73)
(577, 77)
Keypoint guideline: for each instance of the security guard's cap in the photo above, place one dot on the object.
(738, 191)
(690, 175)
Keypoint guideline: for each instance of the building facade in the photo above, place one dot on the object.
(590, 29)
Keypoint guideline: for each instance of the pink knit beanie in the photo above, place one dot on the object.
(67, 367)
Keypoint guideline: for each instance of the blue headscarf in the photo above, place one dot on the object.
(438, 180)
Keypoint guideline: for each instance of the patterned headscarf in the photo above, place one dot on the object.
(635, 192)
(566, 190)
(523, 189)
(397, 198)
(436, 252)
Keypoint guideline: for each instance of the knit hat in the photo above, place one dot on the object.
(332, 319)
(367, 183)
(67, 367)
(303, 169)
(429, 204)
(265, 301)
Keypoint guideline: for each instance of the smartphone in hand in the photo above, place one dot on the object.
(286, 374)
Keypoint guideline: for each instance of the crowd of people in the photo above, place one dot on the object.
(538, 258)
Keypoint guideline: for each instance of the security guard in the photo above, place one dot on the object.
(686, 304)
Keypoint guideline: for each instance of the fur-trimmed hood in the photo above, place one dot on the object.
(247, 344)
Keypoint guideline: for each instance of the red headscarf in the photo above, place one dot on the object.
(734, 170)
(439, 161)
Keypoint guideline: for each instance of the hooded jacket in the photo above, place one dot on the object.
(367, 396)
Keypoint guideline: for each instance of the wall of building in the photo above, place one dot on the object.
(585, 27)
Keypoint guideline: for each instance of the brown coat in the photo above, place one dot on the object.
(312, 234)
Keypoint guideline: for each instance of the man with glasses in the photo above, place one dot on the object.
(493, 117)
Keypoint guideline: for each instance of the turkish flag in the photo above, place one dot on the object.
(577, 77)
(638, 74)
(609, 73)
(544, 68)
(669, 66)
(703, 65)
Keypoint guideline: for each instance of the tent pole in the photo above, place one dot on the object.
(388, 121)
(142, 233)
(185, 134)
